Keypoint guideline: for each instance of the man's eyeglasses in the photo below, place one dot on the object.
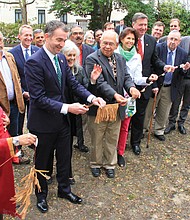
(77, 33)
(98, 35)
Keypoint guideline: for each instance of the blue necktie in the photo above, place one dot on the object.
(168, 76)
(58, 70)
(26, 54)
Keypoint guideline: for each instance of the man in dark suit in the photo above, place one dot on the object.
(109, 85)
(170, 53)
(21, 53)
(147, 49)
(48, 78)
(119, 28)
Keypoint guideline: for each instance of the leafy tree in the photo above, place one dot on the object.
(23, 6)
(172, 9)
(138, 6)
(100, 10)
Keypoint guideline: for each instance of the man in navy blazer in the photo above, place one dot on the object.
(169, 90)
(119, 28)
(48, 78)
(19, 52)
(150, 60)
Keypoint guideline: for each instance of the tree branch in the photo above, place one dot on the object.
(18, 2)
(10, 3)
(29, 3)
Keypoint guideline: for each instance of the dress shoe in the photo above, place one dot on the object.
(50, 180)
(160, 137)
(96, 172)
(71, 181)
(136, 149)
(182, 129)
(110, 173)
(42, 205)
(82, 148)
(120, 160)
(70, 196)
(169, 129)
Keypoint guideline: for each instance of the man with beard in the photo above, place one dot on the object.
(77, 36)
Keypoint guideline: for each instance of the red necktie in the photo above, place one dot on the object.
(140, 50)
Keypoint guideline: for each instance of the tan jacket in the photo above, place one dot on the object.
(4, 102)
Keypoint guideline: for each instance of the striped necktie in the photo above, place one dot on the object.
(58, 70)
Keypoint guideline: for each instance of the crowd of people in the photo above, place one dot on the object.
(63, 78)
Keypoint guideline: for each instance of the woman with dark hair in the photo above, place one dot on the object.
(128, 49)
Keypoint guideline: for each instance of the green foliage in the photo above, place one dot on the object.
(172, 9)
(100, 11)
(138, 6)
(10, 31)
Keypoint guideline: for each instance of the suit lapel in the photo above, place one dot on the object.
(33, 49)
(20, 54)
(50, 66)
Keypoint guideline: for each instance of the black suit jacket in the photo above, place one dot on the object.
(117, 29)
(106, 85)
(46, 95)
(20, 61)
(180, 58)
(150, 61)
(86, 50)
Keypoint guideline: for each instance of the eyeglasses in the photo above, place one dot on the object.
(105, 43)
(98, 35)
(77, 33)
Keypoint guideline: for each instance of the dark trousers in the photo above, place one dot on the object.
(137, 121)
(183, 94)
(47, 143)
(79, 131)
(14, 114)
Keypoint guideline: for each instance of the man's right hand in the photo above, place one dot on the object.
(77, 108)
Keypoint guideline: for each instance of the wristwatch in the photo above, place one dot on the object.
(16, 141)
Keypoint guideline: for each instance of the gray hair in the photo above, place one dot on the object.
(69, 46)
(74, 26)
(175, 31)
(51, 26)
(24, 26)
(110, 32)
(37, 31)
(139, 15)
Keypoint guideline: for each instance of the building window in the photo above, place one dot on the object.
(63, 18)
(41, 17)
(18, 16)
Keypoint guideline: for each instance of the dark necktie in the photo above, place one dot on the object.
(140, 50)
(58, 70)
(112, 63)
(26, 54)
(168, 76)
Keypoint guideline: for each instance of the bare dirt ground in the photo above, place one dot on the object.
(153, 186)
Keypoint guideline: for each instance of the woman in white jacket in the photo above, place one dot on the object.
(128, 49)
